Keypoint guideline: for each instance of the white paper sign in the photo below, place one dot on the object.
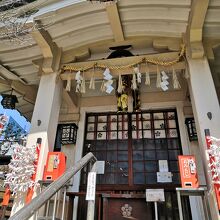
(163, 166)
(155, 195)
(100, 167)
(91, 185)
(164, 177)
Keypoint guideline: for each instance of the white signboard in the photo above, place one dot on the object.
(91, 185)
(155, 195)
(164, 177)
(100, 167)
(163, 166)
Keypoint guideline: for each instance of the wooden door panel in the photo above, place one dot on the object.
(122, 209)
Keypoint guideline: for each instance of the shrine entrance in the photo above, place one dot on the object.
(132, 146)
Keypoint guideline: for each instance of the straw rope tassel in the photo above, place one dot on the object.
(68, 85)
(137, 71)
(158, 84)
(77, 88)
(83, 85)
(103, 86)
(92, 81)
(176, 84)
(134, 83)
(119, 90)
(78, 81)
(147, 76)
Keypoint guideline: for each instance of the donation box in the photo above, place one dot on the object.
(55, 166)
(188, 172)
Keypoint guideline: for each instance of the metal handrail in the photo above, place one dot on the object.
(28, 210)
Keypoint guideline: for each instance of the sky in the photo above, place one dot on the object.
(17, 117)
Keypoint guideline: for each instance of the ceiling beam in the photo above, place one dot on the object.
(72, 117)
(70, 98)
(146, 97)
(9, 75)
(195, 27)
(45, 42)
(4, 82)
(29, 92)
(50, 51)
(115, 22)
(84, 52)
(74, 55)
(172, 44)
(28, 116)
(39, 64)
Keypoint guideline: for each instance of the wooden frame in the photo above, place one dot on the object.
(130, 184)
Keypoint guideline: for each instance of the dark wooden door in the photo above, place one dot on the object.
(122, 209)
(132, 145)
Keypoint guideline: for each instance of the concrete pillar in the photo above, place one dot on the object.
(44, 123)
(45, 116)
(69, 150)
(204, 99)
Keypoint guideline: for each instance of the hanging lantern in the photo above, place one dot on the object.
(9, 101)
(191, 128)
(68, 133)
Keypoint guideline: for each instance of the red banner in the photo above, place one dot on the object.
(212, 161)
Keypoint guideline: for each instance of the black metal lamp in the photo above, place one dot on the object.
(68, 133)
(191, 128)
(9, 101)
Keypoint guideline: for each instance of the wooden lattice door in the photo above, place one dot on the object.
(131, 145)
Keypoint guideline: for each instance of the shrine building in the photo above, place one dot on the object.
(136, 83)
